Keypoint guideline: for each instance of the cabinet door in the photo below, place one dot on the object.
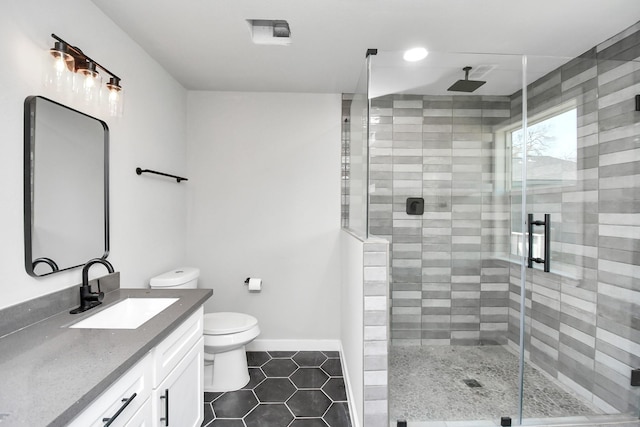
(174, 348)
(179, 400)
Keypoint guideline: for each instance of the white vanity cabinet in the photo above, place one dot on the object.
(165, 388)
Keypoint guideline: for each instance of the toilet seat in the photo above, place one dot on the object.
(225, 323)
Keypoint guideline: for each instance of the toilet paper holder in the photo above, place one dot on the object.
(254, 284)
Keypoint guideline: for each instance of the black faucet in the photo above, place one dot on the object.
(90, 299)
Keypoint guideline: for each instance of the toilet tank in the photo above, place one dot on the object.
(180, 278)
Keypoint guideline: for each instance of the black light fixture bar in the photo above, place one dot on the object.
(79, 54)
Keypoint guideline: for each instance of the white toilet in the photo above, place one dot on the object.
(225, 336)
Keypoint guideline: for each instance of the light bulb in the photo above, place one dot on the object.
(59, 75)
(88, 84)
(59, 64)
(88, 81)
(115, 97)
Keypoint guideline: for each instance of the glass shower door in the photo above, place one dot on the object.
(438, 196)
(581, 278)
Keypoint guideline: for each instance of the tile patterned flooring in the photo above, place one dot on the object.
(286, 389)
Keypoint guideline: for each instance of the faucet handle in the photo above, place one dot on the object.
(99, 295)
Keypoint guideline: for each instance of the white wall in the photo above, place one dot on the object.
(148, 225)
(265, 202)
(352, 326)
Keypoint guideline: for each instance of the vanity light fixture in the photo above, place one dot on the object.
(73, 70)
(415, 54)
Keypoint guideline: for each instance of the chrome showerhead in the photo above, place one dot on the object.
(466, 85)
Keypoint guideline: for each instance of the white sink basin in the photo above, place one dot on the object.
(127, 314)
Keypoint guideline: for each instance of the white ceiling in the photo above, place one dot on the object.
(206, 44)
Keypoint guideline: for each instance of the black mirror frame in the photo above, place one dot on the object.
(29, 143)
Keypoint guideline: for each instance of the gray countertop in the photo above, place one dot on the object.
(49, 373)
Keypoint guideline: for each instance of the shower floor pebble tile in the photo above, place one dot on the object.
(427, 384)
(286, 389)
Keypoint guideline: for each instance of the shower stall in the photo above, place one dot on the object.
(512, 213)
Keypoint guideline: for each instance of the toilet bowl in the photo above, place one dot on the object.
(225, 336)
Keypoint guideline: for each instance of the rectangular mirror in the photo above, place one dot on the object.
(66, 187)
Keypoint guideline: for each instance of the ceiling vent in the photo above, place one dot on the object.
(265, 31)
(479, 72)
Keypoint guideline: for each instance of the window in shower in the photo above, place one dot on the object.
(551, 151)
(552, 146)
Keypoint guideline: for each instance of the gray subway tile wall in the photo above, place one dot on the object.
(441, 148)
(345, 159)
(376, 333)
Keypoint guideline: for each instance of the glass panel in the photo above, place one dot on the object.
(447, 190)
(355, 158)
(582, 170)
(453, 355)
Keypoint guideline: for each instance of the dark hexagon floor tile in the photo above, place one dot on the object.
(308, 422)
(308, 403)
(211, 396)
(226, 423)
(309, 378)
(332, 354)
(208, 413)
(270, 415)
(256, 359)
(282, 353)
(256, 376)
(335, 389)
(332, 367)
(338, 415)
(274, 390)
(279, 368)
(309, 358)
(234, 404)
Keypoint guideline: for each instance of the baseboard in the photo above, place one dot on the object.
(355, 422)
(294, 345)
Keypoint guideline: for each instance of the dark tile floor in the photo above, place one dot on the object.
(286, 389)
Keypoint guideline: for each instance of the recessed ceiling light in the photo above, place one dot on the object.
(415, 54)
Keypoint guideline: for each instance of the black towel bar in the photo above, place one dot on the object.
(178, 178)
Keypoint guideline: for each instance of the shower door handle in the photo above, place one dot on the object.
(547, 241)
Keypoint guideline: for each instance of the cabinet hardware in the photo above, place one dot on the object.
(126, 401)
(166, 407)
